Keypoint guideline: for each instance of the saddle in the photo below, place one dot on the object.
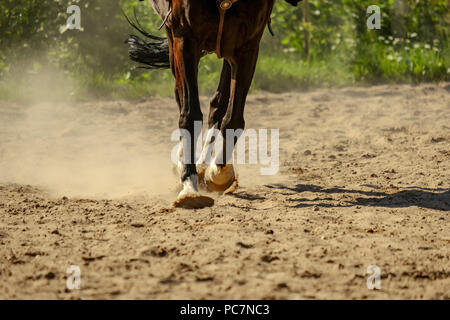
(223, 6)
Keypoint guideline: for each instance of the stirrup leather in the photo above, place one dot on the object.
(223, 6)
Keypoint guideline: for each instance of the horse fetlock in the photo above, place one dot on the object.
(190, 186)
(190, 198)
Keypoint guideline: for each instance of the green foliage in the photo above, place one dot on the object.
(412, 46)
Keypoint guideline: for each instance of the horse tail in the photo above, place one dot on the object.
(152, 54)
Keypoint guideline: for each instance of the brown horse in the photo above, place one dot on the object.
(232, 29)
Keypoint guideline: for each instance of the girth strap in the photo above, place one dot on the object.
(223, 6)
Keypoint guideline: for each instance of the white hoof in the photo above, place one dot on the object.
(190, 198)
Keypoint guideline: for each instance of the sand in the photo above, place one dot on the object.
(364, 180)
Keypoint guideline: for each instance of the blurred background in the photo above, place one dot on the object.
(324, 43)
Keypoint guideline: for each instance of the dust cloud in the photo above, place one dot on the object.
(95, 149)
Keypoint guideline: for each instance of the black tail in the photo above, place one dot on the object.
(153, 54)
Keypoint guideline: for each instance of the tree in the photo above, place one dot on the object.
(399, 19)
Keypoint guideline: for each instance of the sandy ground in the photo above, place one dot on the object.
(364, 180)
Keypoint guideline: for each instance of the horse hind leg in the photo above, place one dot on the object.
(223, 178)
(221, 174)
(217, 110)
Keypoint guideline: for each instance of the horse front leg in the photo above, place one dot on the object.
(221, 175)
(185, 59)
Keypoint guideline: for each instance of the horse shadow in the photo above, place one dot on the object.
(438, 199)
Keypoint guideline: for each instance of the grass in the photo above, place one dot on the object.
(402, 62)
(276, 75)
(382, 61)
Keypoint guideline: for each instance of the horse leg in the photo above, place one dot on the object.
(217, 110)
(185, 58)
(220, 175)
(220, 101)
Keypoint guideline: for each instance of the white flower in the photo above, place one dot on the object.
(390, 57)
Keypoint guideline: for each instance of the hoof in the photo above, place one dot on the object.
(193, 201)
(221, 179)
